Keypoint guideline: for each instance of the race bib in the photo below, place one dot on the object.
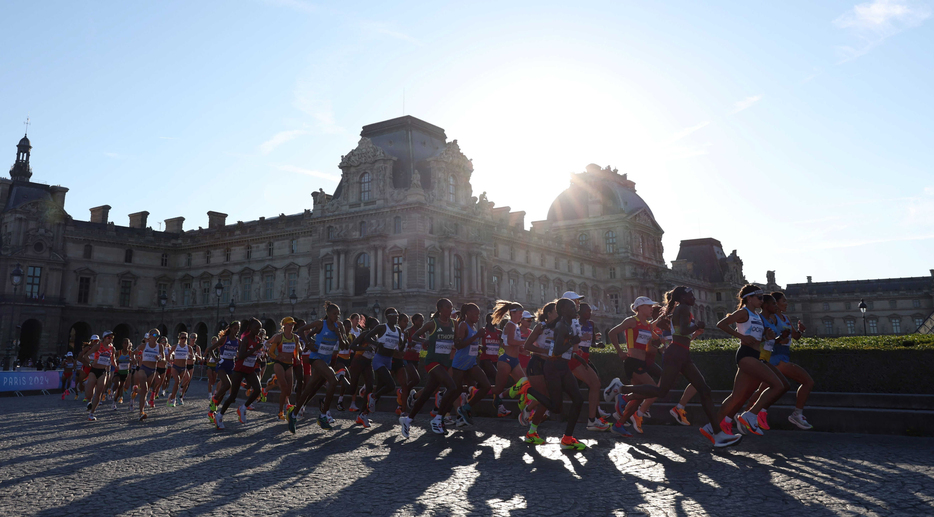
(288, 348)
(124, 366)
(250, 361)
(368, 354)
(444, 347)
(103, 360)
(474, 349)
(228, 354)
(768, 345)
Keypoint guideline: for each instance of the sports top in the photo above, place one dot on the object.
(440, 343)
(782, 324)
(391, 338)
(123, 363)
(102, 356)
(546, 339)
(326, 340)
(181, 352)
(228, 351)
(492, 341)
(752, 326)
(586, 336)
(638, 337)
(150, 355)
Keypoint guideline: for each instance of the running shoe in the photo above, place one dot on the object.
(399, 396)
(569, 443)
(241, 413)
(406, 423)
(353, 407)
(437, 425)
(680, 415)
(211, 416)
(464, 413)
(612, 390)
(514, 390)
(327, 414)
(725, 440)
(281, 415)
(438, 397)
(262, 397)
(708, 433)
(91, 417)
(170, 403)
(181, 401)
(726, 427)
(762, 418)
(362, 420)
(410, 401)
(799, 420)
(340, 375)
(323, 422)
(89, 406)
(371, 403)
(448, 421)
(292, 418)
(534, 439)
(749, 421)
(461, 422)
(636, 422)
(340, 404)
(219, 421)
(620, 405)
(142, 416)
(212, 405)
(598, 425)
(398, 410)
(121, 400)
(602, 414)
(115, 406)
(621, 430)
(646, 414)
(131, 405)
(502, 411)
(524, 416)
(252, 407)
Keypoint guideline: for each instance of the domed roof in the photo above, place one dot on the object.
(24, 142)
(617, 193)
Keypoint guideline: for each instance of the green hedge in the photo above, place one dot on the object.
(878, 364)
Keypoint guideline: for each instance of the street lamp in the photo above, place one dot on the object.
(16, 278)
(313, 315)
(293, 300)
(162, 301)
(376, 309)
(862, 308)
(232, 307)
(218, 291)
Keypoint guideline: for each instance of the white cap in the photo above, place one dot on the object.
(527, 315)
(95, 337)
(571, 295)
(642, 300)
(107, 333)
(146, 335)
(69, 354)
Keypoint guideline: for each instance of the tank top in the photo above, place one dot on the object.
(287, 346)
(102, 356)
(638, 337)
(567, 354)
(769, 345)
(466, 357)
(326, 340)
(546, 339)
(151, 355)
(752, 326)
(229, 349)
(517, 335)
(492, 341)
(123, 363)
(345, 353)
(782, 324)
(390, 339)
(250, 360)
(181, 352)
(440, 343)
(586, 336)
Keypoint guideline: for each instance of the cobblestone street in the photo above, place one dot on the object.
(56, 463)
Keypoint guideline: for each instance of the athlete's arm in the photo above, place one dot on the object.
(510, 335)
(530, 342)
(740, 316)
(426, 328)
(614, 332)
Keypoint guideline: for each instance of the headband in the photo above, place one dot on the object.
(754, 293)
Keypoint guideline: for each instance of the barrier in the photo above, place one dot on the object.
(23, 381)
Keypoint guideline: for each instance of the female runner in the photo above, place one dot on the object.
(123, 370)
(413, 349)
(439, 345)
(194, 356)
(639, 331)
(251, 346)
(781, 359)
(344, 360)
(180, 353)
(750, 370)
(583, 371)
(68, 369)
(489, 348)
(150, 355)
(211, 365)
(386, 337)
(330, 337)
(678, 361)
(361, 365)
(161, 369)
(281, 349)
(226, 347)
(464, 363)
(508, 363)
(539, 344)
(101, 358)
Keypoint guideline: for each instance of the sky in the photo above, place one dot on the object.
(798, 133)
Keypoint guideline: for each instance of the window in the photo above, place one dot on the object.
(543, 292)
(33, 279)
(896, 325)
(512, 253)
(226, 254)
(612, 273)
(541, 260)
(496, 250)
(431, 227)
(269, 247)
(431, 273)
(128, 256)
(249, 251)
(186, 293)
(292, 281)
(495, 284)
(293, 246)
(614, 302)
(452, 189)
(893, 304)
(581, 268)
(528, 290)
(847, 305)
(593, 271)
(188, 260)
(362, 228)
(225, 296)
(458, 272)
(365, 184)
(582, 240)
(528, 257)
(791, 307)
(513, 290)
(397, 272)
(207, 257)
(850, 327)
(873, 326)
(397, 225)
(918, 322)
(162, 289)
(269, 286)
(870, 304)
(826, 306)
(828, 327)
(328, 277)
(719, 298)
(246, 293)
(164, 261)
(205, 292)
(916, 303)
(84, 289)
(88, 250)
(125, 287)
(557, 263)
(609, 238)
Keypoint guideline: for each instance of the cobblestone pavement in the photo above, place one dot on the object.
(53, 462)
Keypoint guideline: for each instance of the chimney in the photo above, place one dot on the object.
(174, 225)
(58, 195)
(99, 214)
(138, 220)
(216, 220)
(809, 279)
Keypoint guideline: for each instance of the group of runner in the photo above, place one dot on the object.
(535, 358)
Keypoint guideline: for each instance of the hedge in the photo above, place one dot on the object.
(877, 364)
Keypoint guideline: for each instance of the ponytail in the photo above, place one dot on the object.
(502, 307)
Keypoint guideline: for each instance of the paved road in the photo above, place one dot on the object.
(53, 462)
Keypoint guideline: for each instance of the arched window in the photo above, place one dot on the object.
(610, 239)
(582, 240)
(88, 249)
(397, 225)
(452, 189)
(365, 184)
(458, 273)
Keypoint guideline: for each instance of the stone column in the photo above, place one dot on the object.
(338, 274)
(374, 263)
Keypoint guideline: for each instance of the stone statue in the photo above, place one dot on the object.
(417, 180)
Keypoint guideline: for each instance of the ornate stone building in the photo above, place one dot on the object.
(402, 228)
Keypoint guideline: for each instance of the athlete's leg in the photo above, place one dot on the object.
(801, 376)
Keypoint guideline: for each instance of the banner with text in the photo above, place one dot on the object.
(22, 381)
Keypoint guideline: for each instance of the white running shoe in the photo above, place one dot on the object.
(752, 420)
(800, 421)
(609, 394)
(448, 420)
(371, 403)
(524, 416)
(219, 420)
(598, 425)
(241, 412)
(722, 439)
(437, 425)
(330, 418)
(406, 424)
(115, 406)
(602, 413)
(410, 401)
(461, 422)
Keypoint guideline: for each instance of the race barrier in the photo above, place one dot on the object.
(25, 381)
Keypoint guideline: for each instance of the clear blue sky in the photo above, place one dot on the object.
(799, 133)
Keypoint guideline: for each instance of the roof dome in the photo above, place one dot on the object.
(614, 191)
(24, 142)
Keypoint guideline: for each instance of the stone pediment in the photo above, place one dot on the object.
(365, 152)
(642, 216)
(452, 154)
(83, 271)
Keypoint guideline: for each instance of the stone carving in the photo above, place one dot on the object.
(365, 152)
(452, 154)
(376, 227)
(173, 297)
(417, 180)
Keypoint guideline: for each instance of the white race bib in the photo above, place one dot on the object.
(444, 347)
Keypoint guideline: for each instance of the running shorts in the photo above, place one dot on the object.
(508, 359)
(746, 351)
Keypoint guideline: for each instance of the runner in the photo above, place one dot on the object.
(101, 358)
(411, 358)
(678, 361)
(180, 353)
(398, 364)
(226, 346)
(194, 356)
(539, 344)
(464, 366)
(344, 360)
(150, 355)
(489, 349)
(282, 351)
(161, 369)
(439, 346)
(124, 358)
(751, 371)
(781, 358)
(387, 337)
(68, 369)
(212, 365)
(638, 330)
(251, 346)
(508, 363)
(584, 372)
(361, 365)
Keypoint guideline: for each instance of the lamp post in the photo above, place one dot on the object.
(218, 291)
(376, 309)
(16, 278)
(313, 315)
(162, 301)
(293, 300)
(232, 307)
(862, 308)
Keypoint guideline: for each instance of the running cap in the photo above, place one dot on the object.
(571, 295)
(146, 336)
(107, 333)
(69, 354)
(288, 320)
(514, 309)
(754, 293)
(526, 315)
(642, 300)
(95, 337)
